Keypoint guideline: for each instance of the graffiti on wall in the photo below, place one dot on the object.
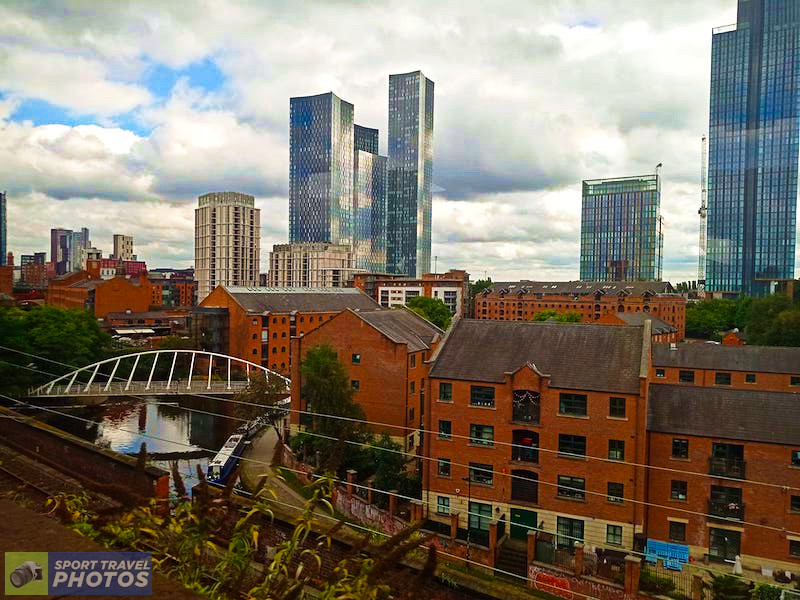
(572, 588)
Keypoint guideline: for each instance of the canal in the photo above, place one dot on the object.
(184, 429)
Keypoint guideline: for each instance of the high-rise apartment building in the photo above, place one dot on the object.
(3, 229)
(753, 148)
(123, 247)
(321, 169)
(310, 264)
(369, 202)
(227, 241)
(66, 249)
(621, 236)
(410, 174)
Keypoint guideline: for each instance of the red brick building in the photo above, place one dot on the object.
(385, 353)
(517, 407)
(83, 290)
(522, 300)
(661, 330)
(261, 322)
(390, 291)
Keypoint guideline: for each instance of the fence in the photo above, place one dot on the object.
(656, 579)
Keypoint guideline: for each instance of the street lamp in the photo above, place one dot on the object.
(468, 479)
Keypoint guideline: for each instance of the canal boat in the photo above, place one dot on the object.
(221, 466)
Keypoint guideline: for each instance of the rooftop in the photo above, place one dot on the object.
(583, 288)
(749, 415)
(764, 359)
(638, 319)
(286, 300)
(576, 356)
(403, 326)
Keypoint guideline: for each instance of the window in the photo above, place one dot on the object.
(572, 404)
(680, 448)
(445, 392)
(411, 415)
(445, 430)
(794, 380)
(355, 385)
(614, 535)
(480, 395)
(616, 492)
(444, 467)
(677, 531)
(686, 376)
(616, 449)
(616, 407)
(571, 487)
(749, 377)
(411, 387)
(569, 531)
(356, 359)
(480, 473)
(678, 490)
(573, 445)
(722, 378)
(794, 547)
(482, 435)
(794, 504)
(660, 373)
(796, 458)
(255, 350)
(480, 515)
(443, 505)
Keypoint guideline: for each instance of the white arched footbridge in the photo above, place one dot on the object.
(208, 372)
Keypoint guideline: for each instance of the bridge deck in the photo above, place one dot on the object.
(140, 388)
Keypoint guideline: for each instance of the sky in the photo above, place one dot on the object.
(117, 115)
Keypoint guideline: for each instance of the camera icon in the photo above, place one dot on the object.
(25, 573)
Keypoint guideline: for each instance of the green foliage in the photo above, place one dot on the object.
(480, 285)
(432, 309)
(765, 591)
(264, 390)
(561, 317)
(769, 321)
(326, 390)
(67, 336)
(389, 462)
(729, 587)
(707, 318)
(655, 584)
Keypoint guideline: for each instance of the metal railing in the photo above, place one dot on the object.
(726, 509)
(727, 467)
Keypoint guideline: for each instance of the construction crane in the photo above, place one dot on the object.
(703, 212)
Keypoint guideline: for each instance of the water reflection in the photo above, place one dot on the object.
(175, 426)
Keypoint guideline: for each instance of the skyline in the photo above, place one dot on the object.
(165, 104)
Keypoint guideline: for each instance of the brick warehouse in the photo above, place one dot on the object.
(501, 392)
(522, 300)
(385, 353)
(543, 416)
(260, 322)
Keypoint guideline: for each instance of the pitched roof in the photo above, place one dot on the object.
(749, 415)
(576, 356)
(286, 300)
(403, 326)
(583, 288)
(638, 319)
(764, 359)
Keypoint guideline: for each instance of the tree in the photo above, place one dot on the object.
(390, 468)
(432, 309)
(480, 285)
(707, 318)
(261, 397)
(327, 390)
(561, 317)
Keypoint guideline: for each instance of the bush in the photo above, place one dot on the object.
(655, 584)
(765, 591)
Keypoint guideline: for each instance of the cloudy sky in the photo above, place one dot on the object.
(117, 115)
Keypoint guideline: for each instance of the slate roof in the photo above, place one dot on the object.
(582, 288)
(638, 319)
(577, 356)
(749, 415)
(764, 359)
(403, 325)
(308, 300)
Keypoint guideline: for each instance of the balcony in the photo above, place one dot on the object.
(732, 510)
(726, 467)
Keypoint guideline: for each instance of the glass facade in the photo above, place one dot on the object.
(410, 174)
(621, 236)
(366, 139)
(66, 248)
(321, 169)
(369, 206)
(753, 148)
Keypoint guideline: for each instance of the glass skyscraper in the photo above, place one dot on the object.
(753, 148)
(321, 141)
(621, 237)
(410, 174)
(369, 202)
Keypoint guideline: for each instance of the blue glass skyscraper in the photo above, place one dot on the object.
(621, 236)
(369, 202)
(753, 148)
(410, 200)
(321, 169)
